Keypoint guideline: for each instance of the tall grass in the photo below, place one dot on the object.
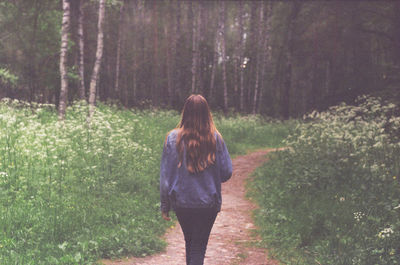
(252, 132)
(332, 197)
(72, 193)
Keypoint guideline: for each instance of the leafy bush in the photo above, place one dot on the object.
(7, 78)
(332, 196)
(72, 193)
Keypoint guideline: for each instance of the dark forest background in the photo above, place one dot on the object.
(277, 58)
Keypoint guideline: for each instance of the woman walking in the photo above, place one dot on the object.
(194, 163)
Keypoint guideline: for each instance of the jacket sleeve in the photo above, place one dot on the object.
(225, 162)
(165, 177)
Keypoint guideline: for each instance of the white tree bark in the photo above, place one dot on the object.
(63, 59)
(260, 51)
(99, 55)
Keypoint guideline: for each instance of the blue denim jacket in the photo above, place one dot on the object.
(181, 189)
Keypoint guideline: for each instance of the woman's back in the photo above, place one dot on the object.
(194, 190)
(194, 163)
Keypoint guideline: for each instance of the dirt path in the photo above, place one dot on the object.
(230, 241)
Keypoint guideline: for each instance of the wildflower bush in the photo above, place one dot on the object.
(333, 195)
(72, 193)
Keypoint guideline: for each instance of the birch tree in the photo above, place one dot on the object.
(63, 59)
(259, 56)
(326, 53)
(251, 54)
(99, 55)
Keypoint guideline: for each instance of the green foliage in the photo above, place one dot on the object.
(31, 43)
(7, 78)
(72, 193)
(251, 132)
(332, 197)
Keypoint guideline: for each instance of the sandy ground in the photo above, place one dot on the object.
(231, 242)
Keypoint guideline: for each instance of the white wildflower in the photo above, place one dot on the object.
(385, 232)
(358, 216)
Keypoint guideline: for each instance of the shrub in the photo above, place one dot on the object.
(332, 197)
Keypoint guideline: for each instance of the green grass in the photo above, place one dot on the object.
(332, 197)
(243, 133)
(72, 193)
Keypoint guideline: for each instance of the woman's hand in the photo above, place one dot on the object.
(166, 217)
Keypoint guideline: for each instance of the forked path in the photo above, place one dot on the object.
(230, 241)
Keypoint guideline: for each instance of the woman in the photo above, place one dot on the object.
(194, 162)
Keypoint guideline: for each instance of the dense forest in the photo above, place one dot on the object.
(278, 58)
(89, 89)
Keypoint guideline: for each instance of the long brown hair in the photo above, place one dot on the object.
(197, 134)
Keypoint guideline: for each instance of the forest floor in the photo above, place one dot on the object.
(232, 240)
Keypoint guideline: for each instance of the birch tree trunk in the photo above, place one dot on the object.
(63, 59)
(119, 46)
(252, 54)
(81, 64)
(223, 54)
(99, 55)
(259, 56)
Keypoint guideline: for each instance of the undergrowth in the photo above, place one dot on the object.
(332, 196)
(72, 193)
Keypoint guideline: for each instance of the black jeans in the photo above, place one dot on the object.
(196, 225)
